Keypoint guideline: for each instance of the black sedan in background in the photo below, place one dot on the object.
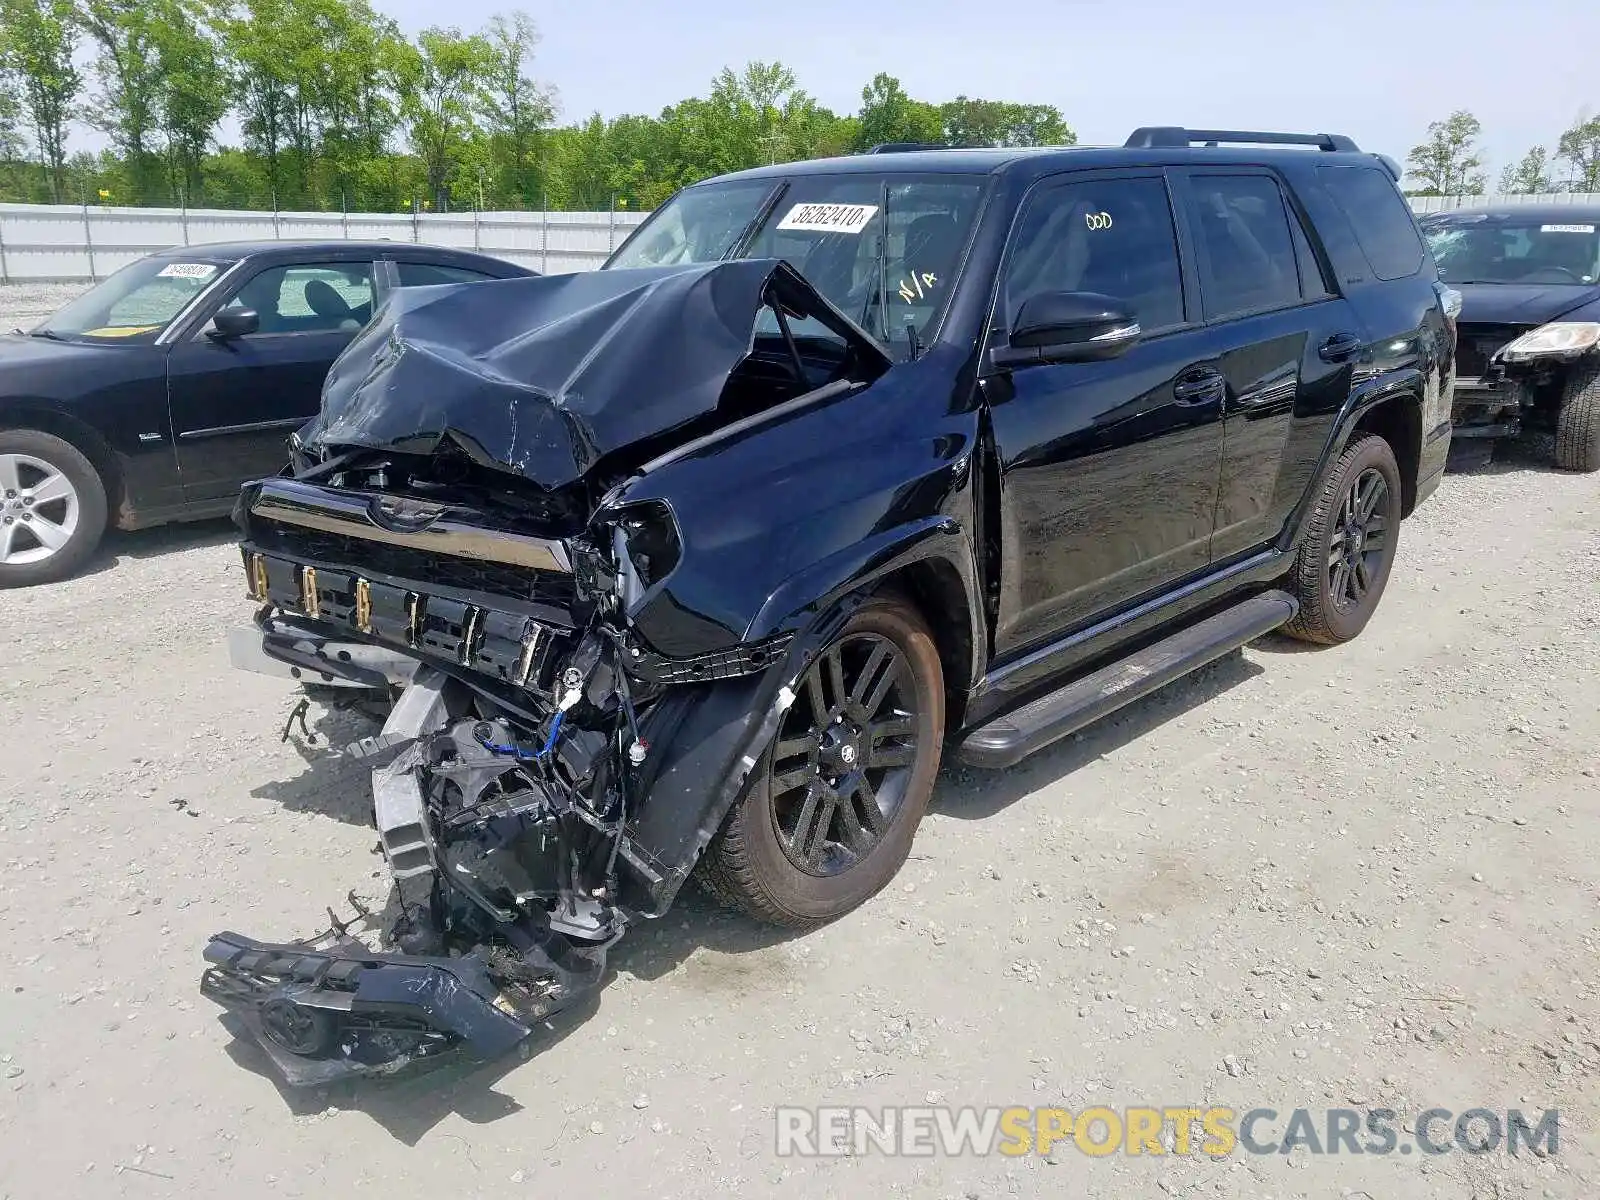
(152, 397)
(1528, 338)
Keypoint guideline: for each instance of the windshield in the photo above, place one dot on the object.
(136, 303)
(1495, 248)
(831, 228)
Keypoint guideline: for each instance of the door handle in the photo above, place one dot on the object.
(1200, 387)
(1341, 347)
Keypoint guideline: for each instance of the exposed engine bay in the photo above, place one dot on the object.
(565, 733)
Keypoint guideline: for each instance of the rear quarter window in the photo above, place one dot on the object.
(1378, 216)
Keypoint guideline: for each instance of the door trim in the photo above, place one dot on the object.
(248, 427)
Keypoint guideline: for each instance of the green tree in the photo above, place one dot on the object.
(12, 144)
(191, 96)
(581, 166)
(1580, 146)
(518, 108)
(347, 61)
(888, 114)
(1529, 176)
(38, 45)
(253, 39)
(998, 123)
(442, 93)
(1448, 163)
(129, 71)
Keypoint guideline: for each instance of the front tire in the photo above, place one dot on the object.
(1349, 544)
(52, 508)
(1578, 423)
(829, 811)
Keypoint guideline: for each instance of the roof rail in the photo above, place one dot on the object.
(902, 147)
(1176, 137)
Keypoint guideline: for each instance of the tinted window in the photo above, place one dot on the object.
(1247, 257)
(311, 298)
(1111, 236)
(1380, 218)
(1313, 284)
(425, 274)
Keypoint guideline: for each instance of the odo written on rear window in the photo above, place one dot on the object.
(701, 562)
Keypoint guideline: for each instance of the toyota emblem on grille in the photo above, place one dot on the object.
(403, 513)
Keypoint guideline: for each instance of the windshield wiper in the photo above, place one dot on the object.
(879, 296)
(46, 333)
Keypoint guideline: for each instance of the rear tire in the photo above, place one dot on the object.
(1349, 544)
(52, 508)
(1578, 423)
(800, 847)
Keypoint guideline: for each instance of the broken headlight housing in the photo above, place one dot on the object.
(1557, 340)
(645, 541)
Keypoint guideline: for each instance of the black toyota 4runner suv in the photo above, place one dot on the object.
(706, 559)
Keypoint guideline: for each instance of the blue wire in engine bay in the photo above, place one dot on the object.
(481, 732)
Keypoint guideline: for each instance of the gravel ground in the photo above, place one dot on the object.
(26, 304)
(1354, 877)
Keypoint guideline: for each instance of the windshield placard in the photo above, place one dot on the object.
(1566, 229)
(829, 218)
(187, 271)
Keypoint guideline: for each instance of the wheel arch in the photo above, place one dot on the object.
(935, 589)
(24, 414)
(1398, 421)
(1388, 407)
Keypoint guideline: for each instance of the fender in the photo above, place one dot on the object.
(121, 499)
(1407, 385)
(791, 515)
(716, 732)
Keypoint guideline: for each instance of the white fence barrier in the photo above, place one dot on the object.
(1431, 204)
(51, 242)
(40, 242)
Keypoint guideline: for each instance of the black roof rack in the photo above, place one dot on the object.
(902, 147)
(1176, 137)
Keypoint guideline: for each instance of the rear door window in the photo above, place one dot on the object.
(1382, 223)
(1246, 251)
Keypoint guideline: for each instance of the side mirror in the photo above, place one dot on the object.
(230, 323)
(1068, 327)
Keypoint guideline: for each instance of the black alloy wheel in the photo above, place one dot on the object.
(1357, 550)
(844, 754)
(1348, 545)
(829, 810)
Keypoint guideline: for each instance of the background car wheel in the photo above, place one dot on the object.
(1349, 544)
(827, 817)
(1578, 423)
(52, 508)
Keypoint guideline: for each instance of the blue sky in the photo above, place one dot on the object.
(1377, 71)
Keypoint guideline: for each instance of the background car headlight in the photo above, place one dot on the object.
(1559, 339)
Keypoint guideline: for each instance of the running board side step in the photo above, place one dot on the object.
(1010, 738)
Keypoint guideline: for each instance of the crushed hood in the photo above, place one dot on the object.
(546, 376)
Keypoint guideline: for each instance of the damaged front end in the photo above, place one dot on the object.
(553, 762)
